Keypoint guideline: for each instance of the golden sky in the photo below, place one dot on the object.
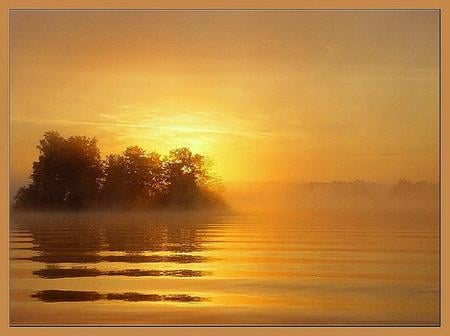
(269, 96)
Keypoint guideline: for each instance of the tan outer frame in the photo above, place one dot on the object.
(6, 5)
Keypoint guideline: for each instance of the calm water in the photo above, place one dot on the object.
(224, 269)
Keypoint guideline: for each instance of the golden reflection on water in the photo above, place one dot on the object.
(224, 269)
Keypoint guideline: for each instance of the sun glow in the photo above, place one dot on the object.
(287, 94)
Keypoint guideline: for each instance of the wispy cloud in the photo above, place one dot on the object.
(120, 125)
(378, 154)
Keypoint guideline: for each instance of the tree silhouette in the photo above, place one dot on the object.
(133, 179)
(188, 178)
(66, 174)
(70, 174)
(114, 184)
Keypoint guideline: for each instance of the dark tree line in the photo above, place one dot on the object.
(70, 174)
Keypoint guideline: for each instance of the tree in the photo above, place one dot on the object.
(82, 171)
(133, 179)
(114, 187)
(70, 174)
(189, 182)
(66, 174)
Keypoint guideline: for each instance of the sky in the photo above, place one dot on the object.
(288, 96)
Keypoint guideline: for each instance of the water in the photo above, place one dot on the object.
(187, 268)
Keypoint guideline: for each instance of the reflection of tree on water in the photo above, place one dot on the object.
(54, 237)
(81, 239)
(78, 296)
(53, 272)
(84, 239)
(155, 237)
(89, 237)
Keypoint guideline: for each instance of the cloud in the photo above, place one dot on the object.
(378, 154)
(185, 129)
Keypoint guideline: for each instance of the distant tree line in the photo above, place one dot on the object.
(70, 174)
(420, 189)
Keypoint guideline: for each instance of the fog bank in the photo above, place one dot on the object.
(334, 196)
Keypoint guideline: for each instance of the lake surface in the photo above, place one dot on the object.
(191, 268)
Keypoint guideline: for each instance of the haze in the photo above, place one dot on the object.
(269, 96)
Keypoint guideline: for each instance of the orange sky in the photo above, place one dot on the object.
(270, 96)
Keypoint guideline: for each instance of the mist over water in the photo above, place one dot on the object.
(339, 253)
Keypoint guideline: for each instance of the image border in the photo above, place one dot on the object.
(176, 6)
